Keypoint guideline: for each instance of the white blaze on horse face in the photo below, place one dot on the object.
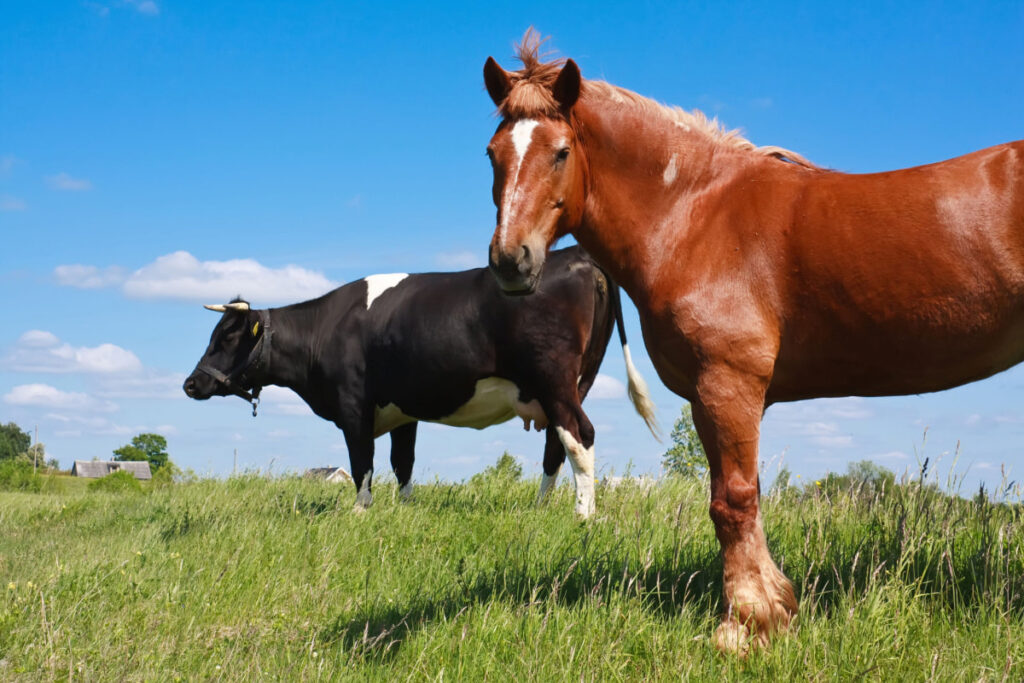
(670, 171)
(522, 134)
(378, 284)
(582, 461)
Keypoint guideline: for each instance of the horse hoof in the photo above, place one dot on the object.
(732, 637)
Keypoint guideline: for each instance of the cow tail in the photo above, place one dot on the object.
(639, 394)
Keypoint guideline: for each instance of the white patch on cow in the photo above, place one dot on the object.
(522, 134)
(364, 498)
(547, 482)
(495, 400)
(582, 461)
(387, 418)
(406, 491)
(670, 171)
(378, 284)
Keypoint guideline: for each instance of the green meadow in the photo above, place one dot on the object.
(256, 578)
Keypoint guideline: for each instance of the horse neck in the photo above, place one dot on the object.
(640, 165)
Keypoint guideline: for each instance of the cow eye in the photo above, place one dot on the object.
(561, 155)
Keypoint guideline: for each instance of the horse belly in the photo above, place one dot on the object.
(895, 360)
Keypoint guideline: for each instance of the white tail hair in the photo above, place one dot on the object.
(640, 395)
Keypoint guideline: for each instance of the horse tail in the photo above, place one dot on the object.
(636, 386)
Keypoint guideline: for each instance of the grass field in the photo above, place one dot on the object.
(255, 578)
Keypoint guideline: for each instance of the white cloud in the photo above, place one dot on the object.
(77, 425)
(67, 183)
(9, 203)
(7, 163)
(283, 401)
(891, 455)
(607, 387)
(182, 276)
(146, 384)
(44, 395)
(89, 277)
(41, 351)
(144, 6)
(461, 260)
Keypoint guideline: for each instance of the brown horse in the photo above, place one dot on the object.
(758, 276)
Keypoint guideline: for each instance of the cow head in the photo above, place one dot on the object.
(237, 352)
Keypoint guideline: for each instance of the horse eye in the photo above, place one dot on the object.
(562, 154)
(490, 154)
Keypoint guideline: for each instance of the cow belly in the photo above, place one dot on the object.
(494, 401)
(387, 418)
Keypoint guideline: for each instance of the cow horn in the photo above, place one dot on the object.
(220, 308)
(238, 306)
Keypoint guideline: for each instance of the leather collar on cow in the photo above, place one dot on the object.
(244, 380)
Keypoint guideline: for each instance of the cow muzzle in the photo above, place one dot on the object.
(517, 271)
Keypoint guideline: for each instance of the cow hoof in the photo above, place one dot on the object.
(584, 511)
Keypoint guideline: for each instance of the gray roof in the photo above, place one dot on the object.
(332, 474)
(94, 469)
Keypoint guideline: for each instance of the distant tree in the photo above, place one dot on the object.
(13, 441)
(686, 454)
(783, 482)
(37, 454)
(863, 476)
(506, 468)
(149, 447)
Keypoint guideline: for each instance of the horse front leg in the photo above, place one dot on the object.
(759, 599)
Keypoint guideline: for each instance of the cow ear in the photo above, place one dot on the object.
(566, 89)
(497, 81)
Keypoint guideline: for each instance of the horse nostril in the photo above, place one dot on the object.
(190, 386)
(524, 256)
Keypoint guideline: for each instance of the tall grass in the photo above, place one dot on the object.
(253, 578)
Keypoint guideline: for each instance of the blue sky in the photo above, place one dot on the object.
(160, 154)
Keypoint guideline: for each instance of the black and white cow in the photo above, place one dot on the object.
(378, 355)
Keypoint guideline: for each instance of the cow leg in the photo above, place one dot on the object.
(577, 436)
(403, 446)
(360, 455)
(554, 456)
(759, 599)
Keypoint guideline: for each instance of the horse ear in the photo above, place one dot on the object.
(567, 86)
(497, 81)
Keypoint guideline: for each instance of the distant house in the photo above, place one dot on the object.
(334, 475)
(95, 469)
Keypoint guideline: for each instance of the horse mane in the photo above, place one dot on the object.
(530, 96)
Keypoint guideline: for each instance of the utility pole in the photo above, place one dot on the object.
(35, 451)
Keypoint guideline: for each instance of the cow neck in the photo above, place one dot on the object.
(291, 356)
